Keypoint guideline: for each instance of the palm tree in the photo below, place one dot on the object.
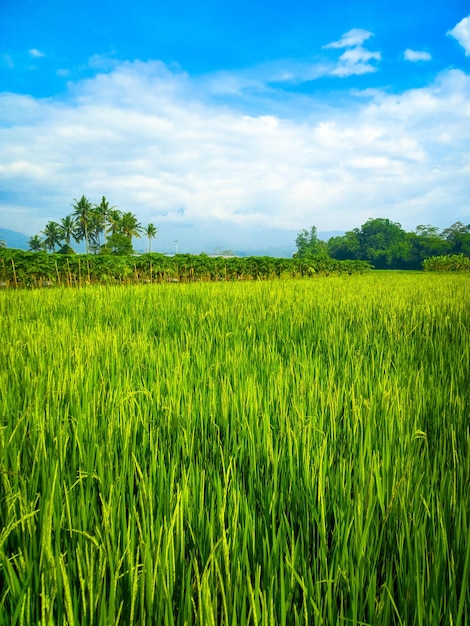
(105, 212)
(114, 220)
(123, 227)
(67, 229)
(96, 226)
(82, 213)
(35, 243)
(151, 232)
(129, 226)
(53, 235)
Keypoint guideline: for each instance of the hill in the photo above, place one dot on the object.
(14, 239)
(19, 241)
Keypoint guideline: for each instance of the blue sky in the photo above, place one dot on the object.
(236, 124)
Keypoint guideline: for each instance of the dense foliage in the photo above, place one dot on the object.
(387, 246)
(27, 269)
(447, 263)
(263, 452)
(308, 244)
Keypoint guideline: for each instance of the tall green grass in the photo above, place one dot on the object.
(290, 452)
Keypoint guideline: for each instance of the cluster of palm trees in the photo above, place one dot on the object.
(104, 229)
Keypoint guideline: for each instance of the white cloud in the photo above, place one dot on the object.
(354, 37)
(264, 79)
(461, 32)
(156, 141)
(356, 59)
(416, 55)
(36, 54)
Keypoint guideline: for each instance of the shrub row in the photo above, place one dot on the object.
(28, 269)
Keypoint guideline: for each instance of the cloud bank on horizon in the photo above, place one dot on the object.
(224, 156)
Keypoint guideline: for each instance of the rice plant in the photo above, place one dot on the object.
(271, 452)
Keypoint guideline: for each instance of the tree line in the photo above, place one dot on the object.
(103, 228)
(386, 245)
(20, 268)
(380, 242)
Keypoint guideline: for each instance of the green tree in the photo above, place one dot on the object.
(458, 235)
(345, 247)
(119, 243)
(124, 226)
(425, 242)
(96, 227)
(103, 212)
(52, 235)
(383, 243)
(427, 230)
(151, 231)
(129, 225)
(67, 229)
(308, 244)
(82, 212)
(35, 243)
(114, 220)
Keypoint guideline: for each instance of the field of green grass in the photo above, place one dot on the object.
(266, 452)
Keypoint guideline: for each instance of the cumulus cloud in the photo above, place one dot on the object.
(158, 142)
(461, 32)
(416, 55)
(356, 59)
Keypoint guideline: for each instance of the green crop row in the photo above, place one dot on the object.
(447, 263)
(39, 269)
(265, 452)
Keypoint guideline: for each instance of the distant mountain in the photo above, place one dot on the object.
(14, 239)
(20, 241)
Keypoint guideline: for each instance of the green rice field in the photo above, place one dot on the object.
(260, 452)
